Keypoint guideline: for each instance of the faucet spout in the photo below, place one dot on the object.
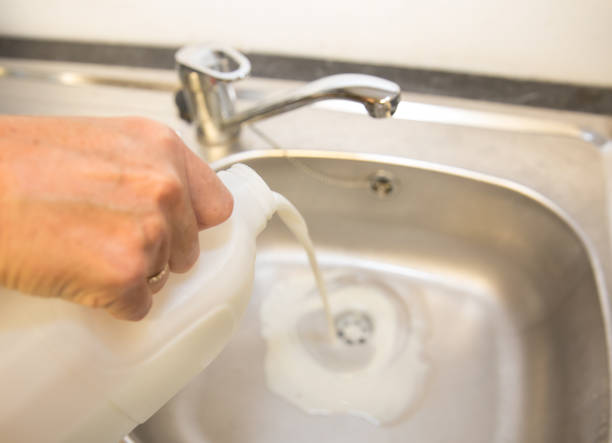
(208, 97)
(379, 96)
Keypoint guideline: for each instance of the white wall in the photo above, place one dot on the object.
(564, 40)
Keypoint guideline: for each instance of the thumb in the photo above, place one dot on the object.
(211, 200)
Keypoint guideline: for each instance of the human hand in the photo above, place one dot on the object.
(91, 208)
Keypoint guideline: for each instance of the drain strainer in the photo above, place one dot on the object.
(354, 327)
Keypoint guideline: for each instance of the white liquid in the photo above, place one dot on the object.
(377, 376)
(296, 224)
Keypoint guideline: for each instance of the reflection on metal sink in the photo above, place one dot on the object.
(516, 336)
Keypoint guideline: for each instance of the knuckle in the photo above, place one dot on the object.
(167, 139)
(140, 125)
(167, 189)
(127, 259)
(155, 230)
(159, 135)
(131, 273)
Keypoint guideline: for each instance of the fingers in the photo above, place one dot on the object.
(158, 280)
(199, 201)
(190, 201)
(134, 304)
(156, 247)
(211, 200)
(184, 247)
(141, 269)
(205, 202)
(129, 186)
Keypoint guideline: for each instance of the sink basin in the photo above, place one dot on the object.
(516, 336)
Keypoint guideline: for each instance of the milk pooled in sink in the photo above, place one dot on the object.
(374, 369)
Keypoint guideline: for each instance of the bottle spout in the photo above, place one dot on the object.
(253, 198)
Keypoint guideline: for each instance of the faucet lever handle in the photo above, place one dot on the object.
(220, 63)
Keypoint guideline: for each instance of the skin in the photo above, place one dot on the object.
(90, 208)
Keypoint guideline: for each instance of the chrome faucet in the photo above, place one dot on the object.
(207, 97)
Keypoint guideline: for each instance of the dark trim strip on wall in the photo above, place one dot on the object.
(562, 96)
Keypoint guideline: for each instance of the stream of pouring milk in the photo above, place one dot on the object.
(375, 367)
(297, 225)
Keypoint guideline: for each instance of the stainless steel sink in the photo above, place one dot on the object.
(516, 335)
(516, 345)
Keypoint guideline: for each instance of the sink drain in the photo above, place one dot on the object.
(354, 327)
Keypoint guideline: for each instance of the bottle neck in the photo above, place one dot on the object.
(254, 201)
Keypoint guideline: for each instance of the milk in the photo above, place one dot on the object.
(296, 224)
(374, 370)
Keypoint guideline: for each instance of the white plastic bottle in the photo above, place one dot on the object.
(73, 374)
